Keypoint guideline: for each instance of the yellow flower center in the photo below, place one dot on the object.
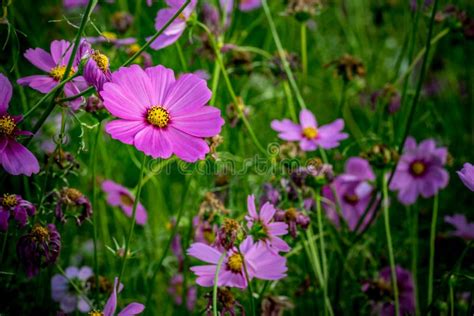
(72, 194)
(109, 35)
(126, 200)
(96, 313)
(418, 168)
(158, 116)
(7, 125)
(58, 72)
(101, 60)
(290, 214)
(132, 49)
(235, 263)
(310, 132)
(9, 200)
(40, 233)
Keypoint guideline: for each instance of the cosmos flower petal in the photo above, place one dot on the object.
(408, 194)
(266, 212)
(279, 244)
(204, 252)
(251, 206)
(249, 5)
(135, 84)
(466, 174)
(307, 119)
(360, 168)
(161, 80)
(70, 90)
(16, 159)
(188, 93)
(287, 130)
(308, 145)
(205, 274)
(111, 305)
(204, 122)
(71, 272)
(154, 142)
(278, 228)
(410, 144)
(186, 147)
(122, 104)
(124, 130)
(40, 58)
(61, 51)
(132, 309)
(5, 93)
(41, 83)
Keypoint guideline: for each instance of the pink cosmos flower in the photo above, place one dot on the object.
(161, 115)
(55, 64)
(260, 263)
(118, 195)
(420, 171)
(309, 134)
(14, 157)
(111, 305)
(466, 174)
(174, 31)
(262, 227)
(244, 5)
(464, 229)
(12, 205)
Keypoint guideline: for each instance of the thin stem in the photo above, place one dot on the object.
(282, 54)
(321, 234)
(289, 100)
(4, 244)
(414, 254)
(390, 246)
(155, 36)
(94, 206)
(214, 288)
(451, 295)
(250, 290)
(215, 83)
(304, 50)
(181, 56)
(134, 214)
(434, 220)
(74, 97)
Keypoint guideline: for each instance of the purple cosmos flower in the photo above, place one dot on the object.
(270, 194)
(293, 218)
(262, 227)
(39, 248)
(13, 205)
(160, 115)
(420, 171)
(174, 31)
(14, 157)
(353, 194)
(381, 294)
(64, 293)
(55, 64)
(309, 134)
(96, 70)
(244, 5)
(111, 38)
(464, 229)
(111, 305)
(71, 4)
(118, 195)
(176, 291)
(466, 174)
(72, 197)
(260, 263)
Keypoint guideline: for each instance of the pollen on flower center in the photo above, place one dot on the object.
(96, 313)
(40, 233)
(7, 125)
(290, 214)
(235, 263)
(72, 194)
(418, 168)
(9, 200)
(101, 60)
(58, 72)
(158, 116)
(126, 200)
(310, 132)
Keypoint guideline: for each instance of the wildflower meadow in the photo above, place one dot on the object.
(237, 157)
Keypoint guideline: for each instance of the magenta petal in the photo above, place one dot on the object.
(121, 103)
(4, 216)
(308, 145)
(266, 212)
(41, 83)
(204, 252)
(161, 80)
(251, 206)
(410, 144)
(307, 119)
(135, 84)
(360, 168)
(61, 51)
(154, 142)
(111, 305)
(164, 41)
(132, 309)
(187, 147)
(70, 90)
(249, 5)
(287, 130)
(205, 274)
(5, 93)
(123, 130)
(188, 93)
(40, 58)
(141, 216)
(203, 122)
(17, 159)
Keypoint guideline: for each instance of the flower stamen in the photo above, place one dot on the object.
(235, 263)
(7, 125)
(9, 200)
(158, 116)
(58, 72)
(101, 60)
(418, 168)
(310, 132)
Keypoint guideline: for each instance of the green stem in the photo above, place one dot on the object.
(414, 254)
(304, 50)
(215, 83)
(158, 33)
(390, 246)
(451, 296)
(95, 206)
(289, 100)
(434, 220)
(321, 239)
(4, 244)
(250, 290)
(282, 55)
(134, 213)
(214, 288)
(184, 65)
(74, 97)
